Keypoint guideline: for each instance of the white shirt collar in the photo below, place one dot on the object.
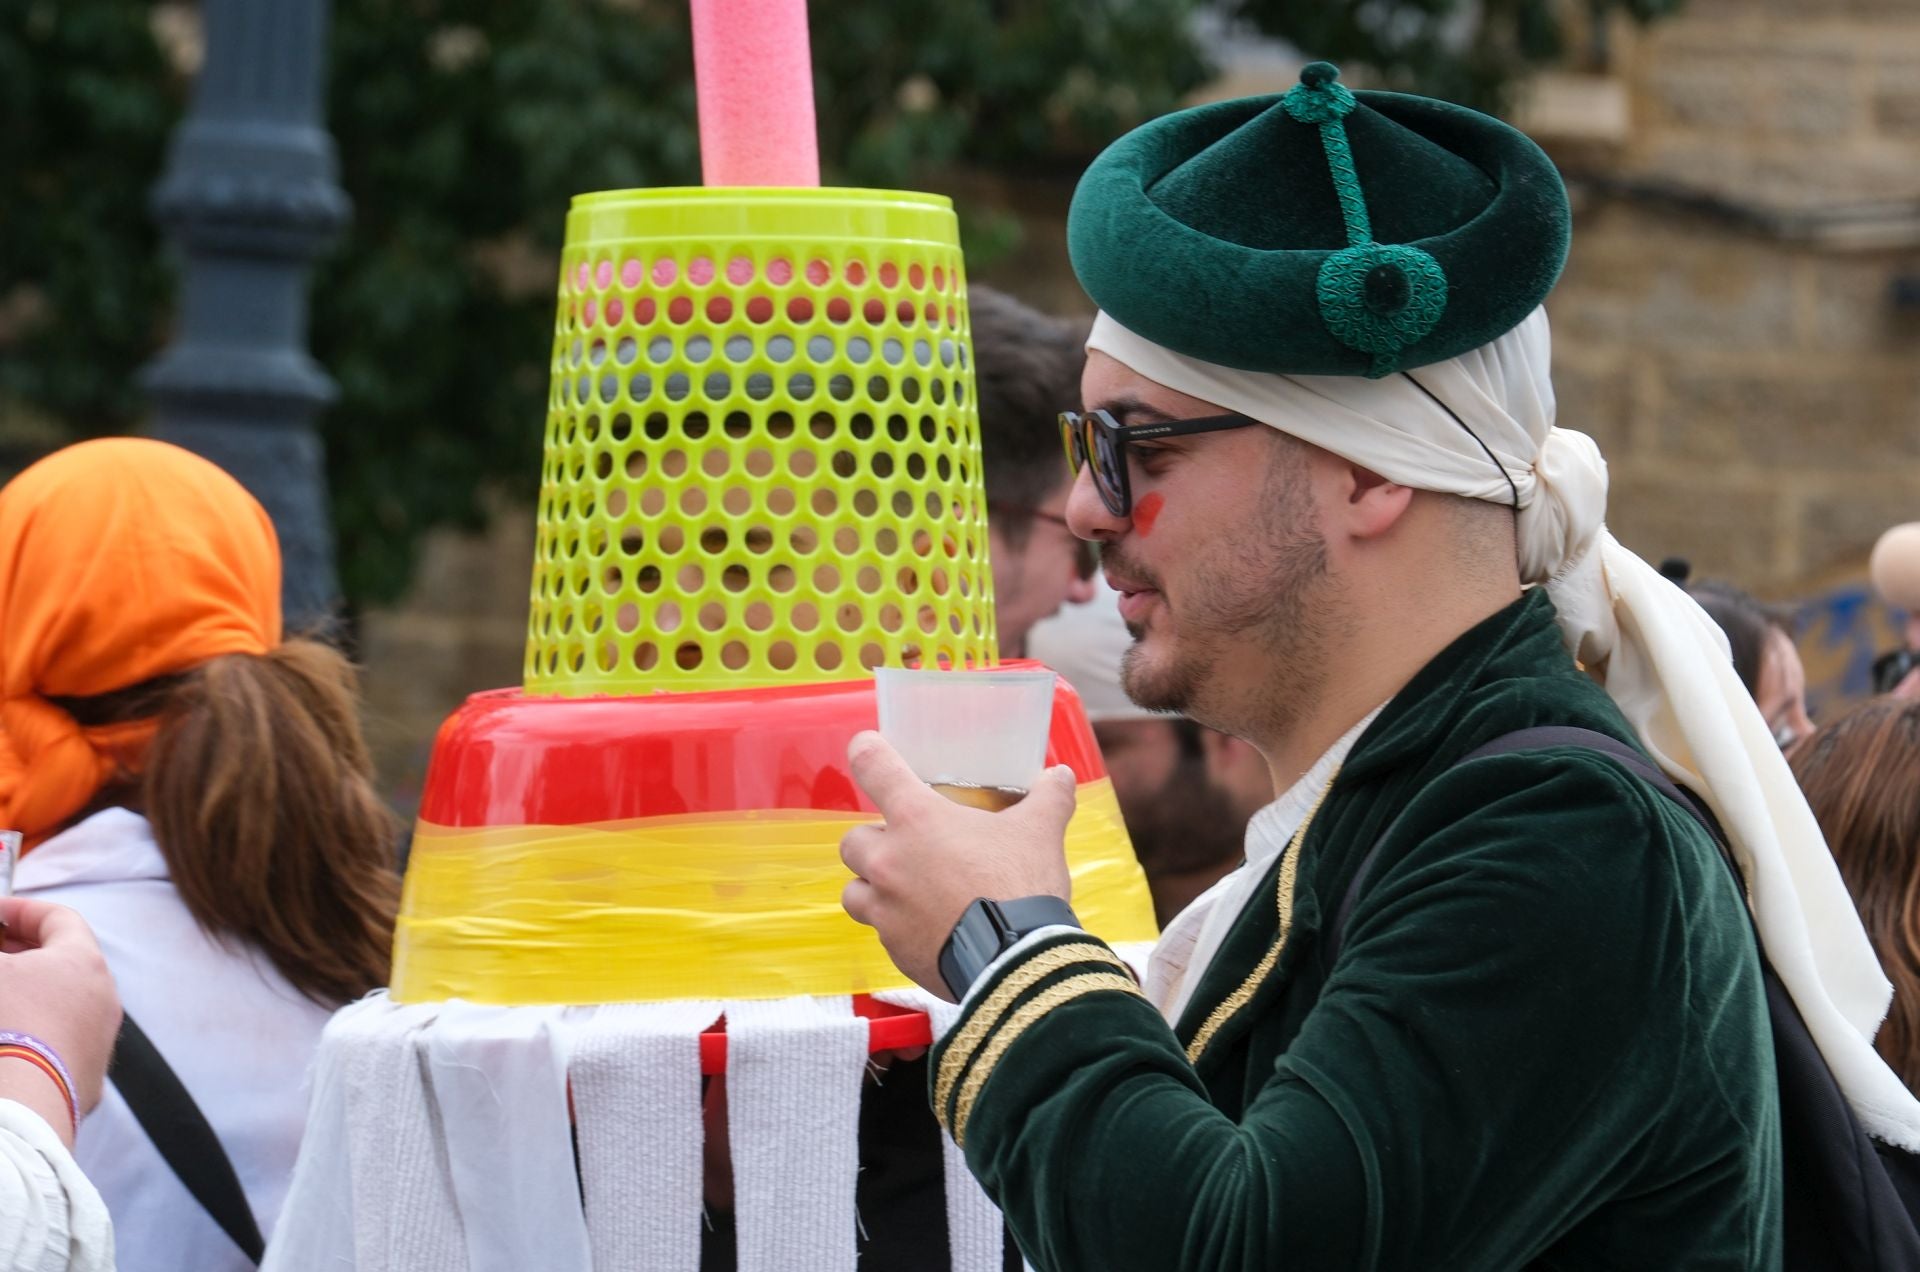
(1273, 826)
(1189, 942)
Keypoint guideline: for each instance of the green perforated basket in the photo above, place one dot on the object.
(762, 454)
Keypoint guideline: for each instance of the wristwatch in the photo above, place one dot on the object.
(989, 929)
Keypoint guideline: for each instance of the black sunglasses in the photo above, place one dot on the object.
(1097, 437)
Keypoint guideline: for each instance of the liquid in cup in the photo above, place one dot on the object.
(977, 737)
(993, 799)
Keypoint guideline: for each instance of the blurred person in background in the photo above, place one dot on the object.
(1861, 777)
(1025, 364)
(58, 1016)
(1895, 570)
(1186, 791)
(197, 787)
(1764, 655)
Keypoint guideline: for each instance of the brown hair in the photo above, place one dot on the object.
(1746, 621)
(1861, 775)
(260, 791)
(1026, 371)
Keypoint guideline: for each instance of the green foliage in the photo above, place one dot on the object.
(464, 127)
(86, 103)
(1467, 51)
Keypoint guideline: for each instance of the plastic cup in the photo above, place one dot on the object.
(977, 737)
(9, 857)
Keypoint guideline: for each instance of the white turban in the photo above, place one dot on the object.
(1660, 658)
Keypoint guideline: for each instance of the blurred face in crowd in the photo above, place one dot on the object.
(1782, 689)
(1221, 565)
(1034, 575)
(1186, 793)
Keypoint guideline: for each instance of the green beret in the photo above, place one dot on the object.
(1321, 231)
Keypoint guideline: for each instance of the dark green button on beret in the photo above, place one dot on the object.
(1322, 231)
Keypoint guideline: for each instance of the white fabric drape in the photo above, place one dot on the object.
(976, 1233)
(636, 1096)
(440, 1138)
(1656, 652)
(499, 1078)
(795, 1070)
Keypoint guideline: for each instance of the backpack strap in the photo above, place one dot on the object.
(177, 1127)
(1534, 739)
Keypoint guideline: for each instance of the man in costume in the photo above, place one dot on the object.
(1455, 1011)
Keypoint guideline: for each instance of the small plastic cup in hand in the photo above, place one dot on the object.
(977, 737)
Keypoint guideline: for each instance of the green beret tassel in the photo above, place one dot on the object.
(1378, 298)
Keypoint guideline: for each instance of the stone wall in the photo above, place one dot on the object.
(1727, 330)
(1731, 327)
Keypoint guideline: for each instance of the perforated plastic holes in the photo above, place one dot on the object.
(762, 460)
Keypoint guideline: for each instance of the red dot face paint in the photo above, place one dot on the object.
(1146, 511)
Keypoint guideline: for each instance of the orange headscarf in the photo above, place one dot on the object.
(120, 560)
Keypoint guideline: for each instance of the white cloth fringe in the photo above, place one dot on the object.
(371, 1190)
(795, 1070)
(975, 1231)
(439, 1140)
(499, 1077)
(636, 1098)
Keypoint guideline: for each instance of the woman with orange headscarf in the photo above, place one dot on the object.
(197, 787)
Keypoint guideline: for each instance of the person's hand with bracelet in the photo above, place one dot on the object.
(936, 878)
(59, 1013)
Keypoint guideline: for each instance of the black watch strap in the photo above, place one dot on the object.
(989, 929)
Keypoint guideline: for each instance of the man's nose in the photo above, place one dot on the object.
(1087, 514)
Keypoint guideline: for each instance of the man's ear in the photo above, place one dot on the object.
(1373, 504)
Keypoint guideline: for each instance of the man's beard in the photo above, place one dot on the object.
(1281, 615)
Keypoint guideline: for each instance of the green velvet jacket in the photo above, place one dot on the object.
(1543, 1043)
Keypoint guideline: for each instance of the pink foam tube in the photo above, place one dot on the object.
(753, 71)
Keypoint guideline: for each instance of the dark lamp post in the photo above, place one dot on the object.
(249, 199)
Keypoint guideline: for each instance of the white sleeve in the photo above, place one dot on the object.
(51, 1218)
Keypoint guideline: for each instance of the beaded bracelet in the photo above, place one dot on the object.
(19, 1046)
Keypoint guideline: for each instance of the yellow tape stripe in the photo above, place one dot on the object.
(743, 905)
(1030, 972)
(1049, 999)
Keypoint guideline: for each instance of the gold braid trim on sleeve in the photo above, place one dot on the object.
(1033, 1009)
(1289, 876)
(954, 1061)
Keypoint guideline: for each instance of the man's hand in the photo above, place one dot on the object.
(920, 869)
